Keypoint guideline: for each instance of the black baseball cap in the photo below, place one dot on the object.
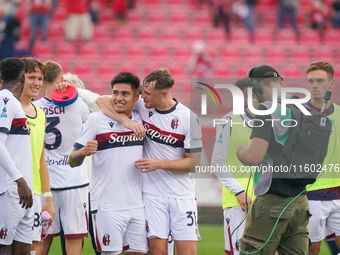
(263, 71)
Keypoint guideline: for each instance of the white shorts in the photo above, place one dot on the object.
(36, 236)
(233, 217)
(325, 216)
(71, 211)
(116, 231)
(15, 222)
(178, 215)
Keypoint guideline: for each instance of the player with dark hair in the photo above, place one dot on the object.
(237, 188)
(36, 117)
(69, 186)
(120, 220)
(324, 194)
(172, 149)
(16, 214)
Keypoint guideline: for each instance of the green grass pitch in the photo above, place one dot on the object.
(212, 243)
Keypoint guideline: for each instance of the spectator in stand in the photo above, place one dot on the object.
(244, 9)
(38, 15)
(200, 63)
(335, 14)
(78, 21)
(9, 31)
(318, 16)
(289, 7)
(221, 11)
(120, 8)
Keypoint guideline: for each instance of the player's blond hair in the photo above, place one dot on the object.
(52, 71)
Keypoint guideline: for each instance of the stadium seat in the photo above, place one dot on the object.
(276, 55)
(309, 37)
(106, 70)
(125, 34)
(179, 18)
(113, 51)
(292, 71)
(66, 50)
(159, 53)
(325, 53)
(230, 54)
(299, 54)
(170, 36)
(286, 37)
(222, 70)
(89, 51)
(264, 37)
(216, 35)
(332, 37)
(202, 19)
(240, 36)
(192, 35)
(148, 35)
(56, 31)
(83, 69)
(136, 53)
(44, 50)
(181, 53)
(253, 55)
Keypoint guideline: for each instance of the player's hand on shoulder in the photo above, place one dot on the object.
(25, 193)
(147, 164)
(90, 148)
(137, 128)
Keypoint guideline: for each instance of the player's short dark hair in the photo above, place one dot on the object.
(52, 71)
(127, 78)
(11, 68)
(321, 65)
(242, 83)
(32, 64)
(162, 77)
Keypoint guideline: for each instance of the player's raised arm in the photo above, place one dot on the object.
(78, 155)
(106, 106)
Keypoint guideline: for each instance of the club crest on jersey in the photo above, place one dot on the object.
(106, 239)
(5, 100)
(3, 233)
(111, 124)
(4, 112)
(174, 123)
(150, 113)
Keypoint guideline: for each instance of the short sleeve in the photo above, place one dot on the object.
(261, 127)
(7, 115)
(193, 135)
(88, 132)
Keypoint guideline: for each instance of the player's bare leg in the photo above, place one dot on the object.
(158, 246)
(337, 239)
(44, 247)
(135, 253)
(74, 245)
(5, 249)
(19, 248)
(315, 248)
(186, 247)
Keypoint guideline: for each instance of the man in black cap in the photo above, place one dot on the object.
(276, 197)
